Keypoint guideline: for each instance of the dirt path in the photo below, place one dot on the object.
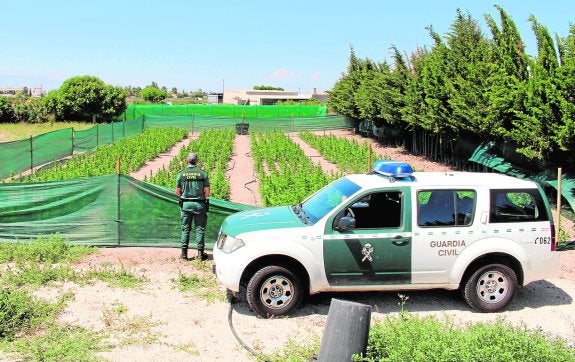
(163, 159)
(244, 185)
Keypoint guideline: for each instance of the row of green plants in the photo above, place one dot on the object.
(132, 153)
(29, 325)
(214, 149)
(286, 175)
(350, 156)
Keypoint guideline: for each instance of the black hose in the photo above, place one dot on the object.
(259, 356)
(569, 245)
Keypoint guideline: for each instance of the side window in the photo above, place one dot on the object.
(378, 210)
(445, 207)
(516, 206)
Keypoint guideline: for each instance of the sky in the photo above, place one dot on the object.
(215, 45)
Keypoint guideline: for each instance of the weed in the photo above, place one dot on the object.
(130, 330)
(19, 312)
(189, 348)
(203, 285)
(58, 343)
(122, 277)
(49, 249)
(36, 274)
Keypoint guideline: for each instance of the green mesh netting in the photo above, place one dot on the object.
(112, 210)
(287, 124)
(22, 155)
(134, 111)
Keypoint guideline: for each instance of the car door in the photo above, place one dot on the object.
(378, 250)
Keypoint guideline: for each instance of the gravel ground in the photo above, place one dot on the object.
(185, 327)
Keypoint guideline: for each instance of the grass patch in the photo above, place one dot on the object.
(45, 249)
(18, 131)
(58, 344)
(121, 278)
(295, 350)
(203, 285)
(20, 313)
(130, 330)
(410, 337)
(36, 275)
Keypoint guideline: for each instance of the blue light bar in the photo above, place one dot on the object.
(393, 169)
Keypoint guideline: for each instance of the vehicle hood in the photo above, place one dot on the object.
(280, 217)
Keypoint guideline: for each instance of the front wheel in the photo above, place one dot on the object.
(274, 291)
(490, 288)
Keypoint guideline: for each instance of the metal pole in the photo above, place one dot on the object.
(559, 186)
(31, 155)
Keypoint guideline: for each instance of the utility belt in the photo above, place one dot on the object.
(202, 201)
(192, 200)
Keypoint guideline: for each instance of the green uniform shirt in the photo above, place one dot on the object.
(192, 181)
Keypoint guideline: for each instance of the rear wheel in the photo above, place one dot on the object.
(490, 288)
(274, 291)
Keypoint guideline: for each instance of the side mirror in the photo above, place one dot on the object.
(346, 223)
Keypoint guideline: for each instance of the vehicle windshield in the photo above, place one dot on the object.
(326, 199)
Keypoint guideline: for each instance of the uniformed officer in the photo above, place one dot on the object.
(193, 188)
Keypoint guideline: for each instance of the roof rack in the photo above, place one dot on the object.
(394, 170)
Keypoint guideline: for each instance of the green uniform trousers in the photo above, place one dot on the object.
(193, 212)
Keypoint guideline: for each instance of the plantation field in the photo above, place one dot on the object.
(146, 304)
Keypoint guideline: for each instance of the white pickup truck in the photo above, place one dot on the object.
(392, 229)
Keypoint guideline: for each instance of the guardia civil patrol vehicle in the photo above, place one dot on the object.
(392, 229)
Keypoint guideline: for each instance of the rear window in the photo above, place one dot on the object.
(517, 206)
(445, 207)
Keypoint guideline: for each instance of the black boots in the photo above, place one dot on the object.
(201, 255)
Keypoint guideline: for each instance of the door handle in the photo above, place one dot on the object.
(400, 240)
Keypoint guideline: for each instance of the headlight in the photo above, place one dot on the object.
(229, 244)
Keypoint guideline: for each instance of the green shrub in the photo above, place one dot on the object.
(46, 249)
(19, 312)
(411, 338)
(59, 344)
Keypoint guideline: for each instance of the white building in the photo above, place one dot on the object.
(267, 97)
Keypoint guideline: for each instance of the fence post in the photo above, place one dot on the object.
(346, 331)
(118, 193)
(143, 122)
(72, 152)
(559, 186)
(31, 155)
(97, 134)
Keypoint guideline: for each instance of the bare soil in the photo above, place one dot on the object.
(189, 328)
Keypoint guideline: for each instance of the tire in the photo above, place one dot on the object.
(490, 288)
(274, 291)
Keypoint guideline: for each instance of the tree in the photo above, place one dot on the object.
(267, 87)
(85, 97)
(6, 112)
(153, 94)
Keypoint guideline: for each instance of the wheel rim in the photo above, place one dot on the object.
(276, 292)
(492, 287)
